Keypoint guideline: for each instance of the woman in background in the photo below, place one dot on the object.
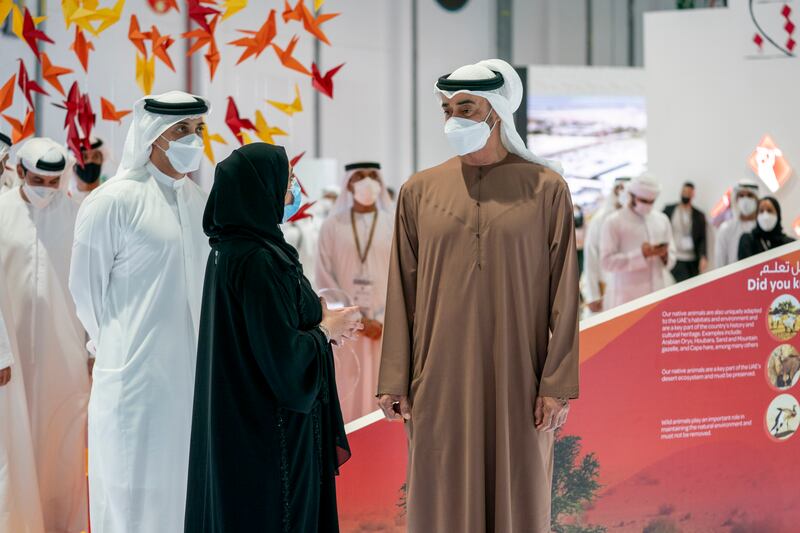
(768, 233)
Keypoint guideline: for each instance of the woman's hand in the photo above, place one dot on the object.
(341, 323)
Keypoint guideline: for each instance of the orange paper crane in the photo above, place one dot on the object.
(288, 60)
(82, 47)
(7, 93)
(51, 72)
(253, 46)
(31, 35)
(324, 84)
(109, 111)
(160, 45)
(137, 37)
(21, 130)
(205, 38)
(301, 13)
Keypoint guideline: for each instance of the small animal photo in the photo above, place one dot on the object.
(783, 367)
(783, 416)
(782, 318)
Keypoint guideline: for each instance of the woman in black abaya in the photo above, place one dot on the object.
(267, 431)
(768, 233)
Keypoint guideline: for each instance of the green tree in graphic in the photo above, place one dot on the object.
(574, 485)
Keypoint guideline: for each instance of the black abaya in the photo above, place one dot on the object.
(267, 431)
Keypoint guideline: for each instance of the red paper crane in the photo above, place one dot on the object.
(109, 111)
(7, 93)
(253, 46)
(287, 59)
(296, 159)
(160, 45)
(137, 37)
(302, 212)
(30, 34)
(21, 130)
(237, 123)
(81, 47)
(79, 121)
(200, 13)
(324, 84)
(28, 85)
(51, 72)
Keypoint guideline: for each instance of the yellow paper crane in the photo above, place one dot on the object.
(291, 108)
(208, 149)
(5, 10)
(318, 4)
(265, 132)
(232, 7)
(88, 13)
(145, 72)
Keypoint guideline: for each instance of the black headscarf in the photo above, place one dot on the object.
(247, 200)
(776, 236)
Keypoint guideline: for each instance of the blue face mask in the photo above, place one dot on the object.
(291, 210)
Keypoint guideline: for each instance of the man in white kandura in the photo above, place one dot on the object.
(8, 178)
(745, 211)
(36, 226)
(137, 277)
(593, 282)
(355, 246)
(20, 509)
(636, 247)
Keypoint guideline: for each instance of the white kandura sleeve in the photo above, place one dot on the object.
(6, 355)
(612, 258)
(592, 273)
(324, 275)
(93, 251)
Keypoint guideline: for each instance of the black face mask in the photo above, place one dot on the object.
(578, 220)
(89, 173)
(685, 200)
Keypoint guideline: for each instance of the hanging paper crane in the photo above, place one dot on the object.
(208, 149)
(27, 85)
(205, 38)
(51, 72)
(287, 58)
(258, 40)
(109, 112)
(81, 47)
(7, 93)
(236, 123)
(324, 84)
(21, 129)
(265, 132)
(291, 108)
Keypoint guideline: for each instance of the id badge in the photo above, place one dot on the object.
(362, 293)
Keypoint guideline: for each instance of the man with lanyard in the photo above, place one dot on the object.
(137, 276)
(354, 251)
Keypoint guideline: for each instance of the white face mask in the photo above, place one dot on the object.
(767, 221)
(747, 205)
(642, 208)
(467, 136)
(366, 191)
(39, 197)
(185, 153)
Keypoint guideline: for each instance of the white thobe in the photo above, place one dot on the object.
(304, 236)
(726, 248)
(35, 249)
(137, 273)
(629, 273)
(593, 276)
(20, 509)
(339, 267)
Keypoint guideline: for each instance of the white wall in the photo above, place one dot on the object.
(709, 104)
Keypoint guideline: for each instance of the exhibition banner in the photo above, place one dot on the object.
(687, 418)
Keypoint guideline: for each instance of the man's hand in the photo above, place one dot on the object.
(703, 265)
(90, 365)
(550, 413)
(372, 329)
(5, 376)
(395, 407)
(596, 306)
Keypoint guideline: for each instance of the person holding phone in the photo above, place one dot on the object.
(636, 248)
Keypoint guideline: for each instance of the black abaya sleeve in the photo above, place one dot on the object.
(290, 359)
(747, 247)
